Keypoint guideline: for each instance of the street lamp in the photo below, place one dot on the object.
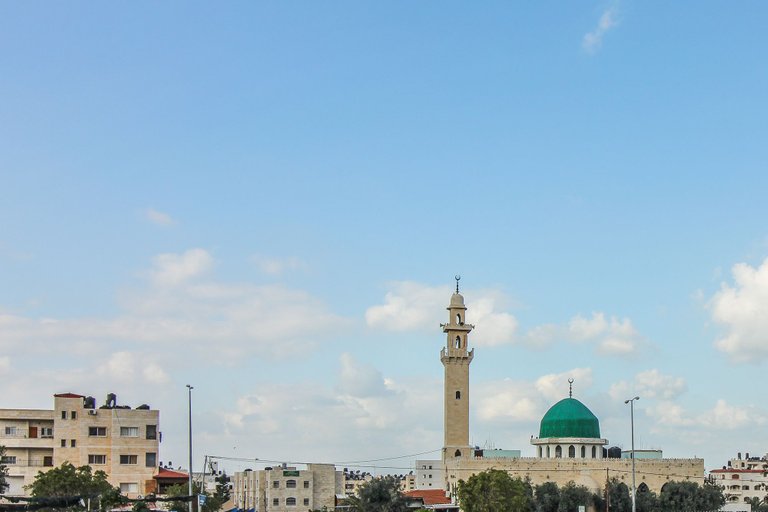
(631, 403)
(189, 390)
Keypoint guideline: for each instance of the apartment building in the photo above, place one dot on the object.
(287, 489)
(744, 479)
(122, 442)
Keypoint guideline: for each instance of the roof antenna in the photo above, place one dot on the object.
(457, 277)
(570, 387)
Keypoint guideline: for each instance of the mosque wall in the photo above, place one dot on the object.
(589, 473)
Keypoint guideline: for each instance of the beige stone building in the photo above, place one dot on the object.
(569, 446)
(743, 479)
(287, 489)
(122, 442)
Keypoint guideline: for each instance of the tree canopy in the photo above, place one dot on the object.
(67, 480)
(3, 471)
(495, 491)
(379, 495)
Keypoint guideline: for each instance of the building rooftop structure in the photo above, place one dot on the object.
(569, 418)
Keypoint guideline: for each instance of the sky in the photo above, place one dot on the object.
(269, 201)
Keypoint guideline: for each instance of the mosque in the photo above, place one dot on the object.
(568, 446)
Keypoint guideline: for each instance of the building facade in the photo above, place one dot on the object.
(122, 442)
(287, 489)
(743, 479)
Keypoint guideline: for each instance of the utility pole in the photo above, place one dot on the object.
(631, 403)
(189, 390)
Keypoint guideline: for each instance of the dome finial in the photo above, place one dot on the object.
(457, 277)
(570, 387)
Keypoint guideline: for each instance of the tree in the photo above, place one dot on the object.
(690, 497)
(495, 491)
(182, 491)
(572, 496)
(68, 481)
(547, 497)
(647, 501)
(3, 471)
(379, 495)
(214, 502)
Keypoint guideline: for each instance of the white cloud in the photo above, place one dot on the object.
(359, 380)
(277, 266)
(593, 40)
(650, 384)
(173, 269)
(554, 386)
(238, 319)
(742, 308)
(414, 306)
(158, 218)
(5, 364)
(509, 401)
(722, 416)
(613, 337)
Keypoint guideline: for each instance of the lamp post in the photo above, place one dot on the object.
(631, 403)
(189, 390)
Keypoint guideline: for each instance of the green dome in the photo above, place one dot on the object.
(569, 418)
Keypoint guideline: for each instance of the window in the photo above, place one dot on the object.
(129, 431)
(97, 459)
(290, 502)
(458, 342)
(129, 487)
(572, 452)
(63, 415)
(151, 431)
(548, 453)
(594, 452)
(583, 452)
(457, 453)
(150, 459)
(430, 476)
(74, 415)
(129, 459)
(46, 432)
(458, 395)
(8, 459)
(48, 461)
(458, 319)
(276, 502)
(97, 431)
(290, 484)
(63, 443)
(10, 431)
(72, 443)
(306, 502)
(306, 484)
(275, 484)
(558, 452)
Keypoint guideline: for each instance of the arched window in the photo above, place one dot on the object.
(642, 487)
(458, 342)
(549, 454)
(290, 484)
(539, 451)
(458, 395)
(571, 452)
(735, 477)
(458, 319)
(290, 502)
(558, 452)
(583, 452)
(457, 454)
(594, 452)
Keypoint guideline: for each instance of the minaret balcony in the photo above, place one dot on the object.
(457, 327)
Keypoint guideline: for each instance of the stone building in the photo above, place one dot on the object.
(743, 479)
(284, 489)
(568, 448)
(120, 441)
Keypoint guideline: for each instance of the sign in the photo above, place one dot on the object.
(201, 500)
(290, 473)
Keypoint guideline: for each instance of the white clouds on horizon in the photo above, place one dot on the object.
(649, 384)
(592, 41)
(742, 308)
(277, 266)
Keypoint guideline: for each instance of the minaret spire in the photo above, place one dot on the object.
(570, 387)
(457, 277)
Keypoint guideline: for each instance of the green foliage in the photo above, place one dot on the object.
(495, 491)
(3, 471)
(67, 480)
(379, 495)
(547, 497)
(758, 505)
(572, 496)
(690, 497)
(182, 490)
(140, 506)
(214, 502)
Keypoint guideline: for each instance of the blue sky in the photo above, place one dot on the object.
(270, 200)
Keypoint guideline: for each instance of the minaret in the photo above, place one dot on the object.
(456, 359)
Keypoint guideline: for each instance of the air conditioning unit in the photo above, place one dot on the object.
(92, 412)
